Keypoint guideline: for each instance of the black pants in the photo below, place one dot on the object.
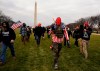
(68, 43)
(28, 37)
(76, 42)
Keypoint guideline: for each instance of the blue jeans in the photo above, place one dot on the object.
(37, 39)
(3, 51)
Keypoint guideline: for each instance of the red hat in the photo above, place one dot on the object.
(39, 24)
(58, 21)
(86, 24)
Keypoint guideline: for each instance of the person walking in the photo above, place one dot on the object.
(69, 34)
(57, 32)
(86, 38)
(23, 32)
(7, 38)
(76, 36)
(38, 33)
(28, 32)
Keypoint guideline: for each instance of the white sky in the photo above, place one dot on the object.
(68, 10)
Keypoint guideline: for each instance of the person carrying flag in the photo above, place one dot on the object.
(58, 31)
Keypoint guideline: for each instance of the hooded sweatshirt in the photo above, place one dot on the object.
(8, 35)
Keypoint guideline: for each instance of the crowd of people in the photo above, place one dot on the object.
(58, 32)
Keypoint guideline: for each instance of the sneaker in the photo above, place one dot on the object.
(56, 66)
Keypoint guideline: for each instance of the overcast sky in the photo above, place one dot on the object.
(68, 10)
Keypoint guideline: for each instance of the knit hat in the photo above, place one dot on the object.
(86, 24)
(58, 21)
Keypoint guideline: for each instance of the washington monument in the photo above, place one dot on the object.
(35, 14)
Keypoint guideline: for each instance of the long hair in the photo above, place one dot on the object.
(7, 24)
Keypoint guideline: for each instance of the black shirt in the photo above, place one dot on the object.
(7, 36)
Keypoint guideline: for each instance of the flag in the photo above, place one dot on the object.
(16, 25)
(59, 40)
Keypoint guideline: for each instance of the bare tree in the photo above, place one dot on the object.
(3, 18)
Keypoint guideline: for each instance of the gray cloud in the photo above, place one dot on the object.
(68, 10)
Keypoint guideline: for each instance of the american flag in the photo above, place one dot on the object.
(16, 25)
(59, 40)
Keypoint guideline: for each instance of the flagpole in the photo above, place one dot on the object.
(35, 14)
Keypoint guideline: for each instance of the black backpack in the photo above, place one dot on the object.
(58, 31)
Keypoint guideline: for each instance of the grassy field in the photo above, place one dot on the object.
(31, 58)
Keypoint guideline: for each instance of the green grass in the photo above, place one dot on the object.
(31, 58)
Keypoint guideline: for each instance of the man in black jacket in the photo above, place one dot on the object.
(7, 38)
(38, 33)
(76, 36)
(28, 32)
(43, 32)
(85, 39)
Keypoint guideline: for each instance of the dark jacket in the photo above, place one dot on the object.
(28, 31)
(7, 36)
(38, 31)
(23, 31)
(43, 29)
(81, 31)
(76, 34)
(69, 33)
(48, 29)
(86, 35)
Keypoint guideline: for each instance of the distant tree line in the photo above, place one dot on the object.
(94, 22)
(3, 18)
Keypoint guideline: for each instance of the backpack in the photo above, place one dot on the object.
(23, 31)
(58, 30)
